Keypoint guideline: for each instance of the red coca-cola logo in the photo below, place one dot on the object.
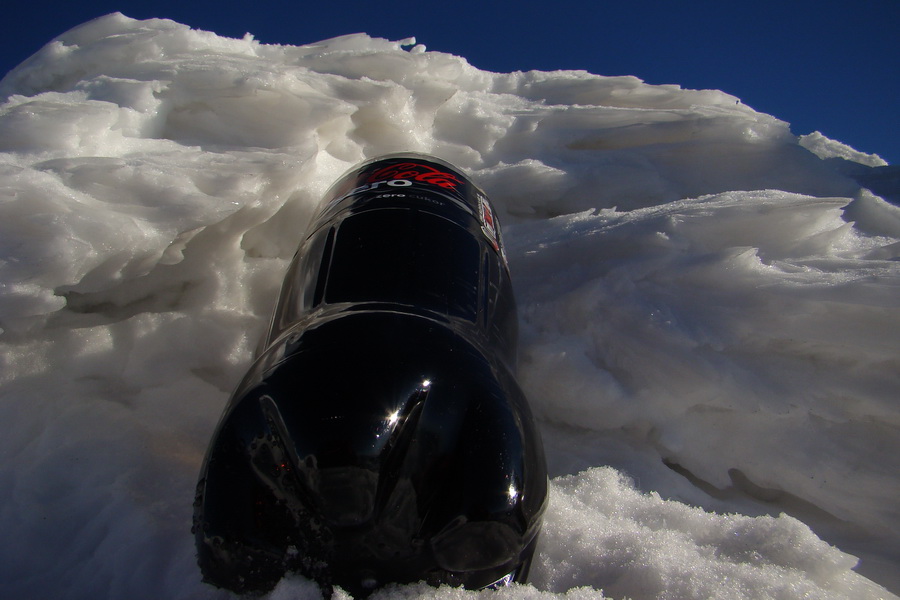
(416, 172)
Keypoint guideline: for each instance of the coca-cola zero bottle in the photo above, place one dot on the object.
(381, 436)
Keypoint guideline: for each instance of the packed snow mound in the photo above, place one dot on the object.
(710, 311)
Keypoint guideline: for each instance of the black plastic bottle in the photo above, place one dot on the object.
(381, 435)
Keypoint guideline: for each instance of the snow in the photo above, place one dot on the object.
(710, 307)
(823, 147)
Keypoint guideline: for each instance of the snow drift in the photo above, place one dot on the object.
(710, 307)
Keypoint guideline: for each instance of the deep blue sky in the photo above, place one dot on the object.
(821, 65)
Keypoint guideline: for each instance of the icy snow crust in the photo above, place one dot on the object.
(710, 311)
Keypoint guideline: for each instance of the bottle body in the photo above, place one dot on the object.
(381, 435)
(410, 232)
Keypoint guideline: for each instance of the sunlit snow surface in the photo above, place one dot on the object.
(710, 307)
